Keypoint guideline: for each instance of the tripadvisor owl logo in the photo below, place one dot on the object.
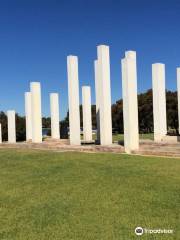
(139, 231)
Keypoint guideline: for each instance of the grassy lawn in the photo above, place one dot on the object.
(74, 196)
(120, 137)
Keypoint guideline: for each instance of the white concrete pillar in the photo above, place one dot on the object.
(105, 92)
(130, 103)
(87, 116)
(28, 116)
(0, 133)
(178, 94)
(97, 91)
(54, 106)
(73, 97)
(159, 101)
(36, 112)
(11, 126)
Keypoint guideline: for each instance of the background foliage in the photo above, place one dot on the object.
(145, 109)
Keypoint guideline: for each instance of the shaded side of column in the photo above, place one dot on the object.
(87, 116)
(28, 116)
(178, 94)
(54, 107)
(0, 133)
(97, 92)
(11, 126)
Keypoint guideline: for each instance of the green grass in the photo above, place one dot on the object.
(149, 136)
(74, 196)
(120, 137)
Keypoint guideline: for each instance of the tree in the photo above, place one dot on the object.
(20, 128)
(145, 111)
(172, 110)
(3, 120)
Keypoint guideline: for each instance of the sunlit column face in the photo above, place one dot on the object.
(105, 95)
(36, 112)
(73, 97)
(130, 105)
(159, 101)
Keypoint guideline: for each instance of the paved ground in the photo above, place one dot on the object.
(147, 147)
(63, 145)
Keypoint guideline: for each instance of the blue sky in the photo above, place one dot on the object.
(36, 36)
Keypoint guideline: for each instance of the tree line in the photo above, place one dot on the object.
(145, 111)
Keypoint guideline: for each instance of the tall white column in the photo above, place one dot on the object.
(130, 104)
(73, 96)
(87, 117)
(159, 101)
(97, 90)
(178, 94)
(28, 116)
(11, 126)
(0, 133)
(105, 91)
(54, 106)
(36, 112)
